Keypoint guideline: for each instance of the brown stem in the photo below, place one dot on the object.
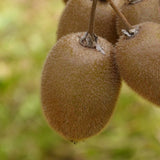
(90, 39)
(92, 18)
(119, 13)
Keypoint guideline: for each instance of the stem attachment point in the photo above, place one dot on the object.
(134, 1)
(90, 41)
(131, 33)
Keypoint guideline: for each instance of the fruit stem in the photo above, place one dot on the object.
(89, 40)
(119, 13)
(92, 18)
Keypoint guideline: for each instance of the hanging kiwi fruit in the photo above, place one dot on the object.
(80, 83)
(138, 57)
(76, 14)
(139, 11)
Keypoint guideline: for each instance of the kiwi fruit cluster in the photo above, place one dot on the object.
(81, 77)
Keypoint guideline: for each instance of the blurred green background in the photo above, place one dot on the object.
(27, 33)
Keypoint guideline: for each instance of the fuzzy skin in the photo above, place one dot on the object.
(79, 87)
(138, 60)
(76, 16)
(146, 10)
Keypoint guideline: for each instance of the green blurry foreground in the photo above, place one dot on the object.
(27, 33)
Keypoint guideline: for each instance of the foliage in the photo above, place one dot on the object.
(27, 33)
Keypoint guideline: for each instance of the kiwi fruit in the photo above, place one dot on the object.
(139, 11)
(77, 12)
(138, 59)
(79, 87)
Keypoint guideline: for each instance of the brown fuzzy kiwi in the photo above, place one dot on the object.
(76, 14)
(139, 12)
(138, 59)
(79, 87)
